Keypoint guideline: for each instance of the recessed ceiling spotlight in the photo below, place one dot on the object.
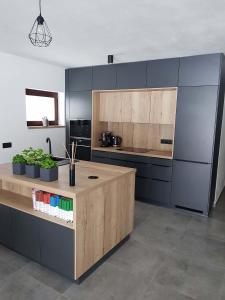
(40, 34)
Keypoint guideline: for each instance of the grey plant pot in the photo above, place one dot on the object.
(18, 169)
(49, 174)
(32, 171)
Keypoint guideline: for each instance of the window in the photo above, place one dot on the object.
(41, 104)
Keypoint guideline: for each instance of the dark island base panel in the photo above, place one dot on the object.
(41, 241)
(38, 240)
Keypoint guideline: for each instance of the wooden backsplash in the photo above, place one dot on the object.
(139, 135)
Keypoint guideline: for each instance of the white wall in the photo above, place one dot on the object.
(17, 74)
(220, 182)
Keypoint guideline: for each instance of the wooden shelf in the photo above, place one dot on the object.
(25, 204)
(152, 153)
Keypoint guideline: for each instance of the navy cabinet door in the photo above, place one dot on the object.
(80, 79)
(5, 226)
(26, 234)
(163, 73)
(200, 70)
(195, 122)
(57, 248)
(153, 191)
(190, 185)
(104, 77)
(80, 105)
(131, 75)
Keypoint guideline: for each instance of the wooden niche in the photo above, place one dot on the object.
(141, 117)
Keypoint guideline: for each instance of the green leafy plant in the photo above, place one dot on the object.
(33, 156)
(18, 159)
(48, 162)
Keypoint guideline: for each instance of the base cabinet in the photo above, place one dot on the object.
(57, 248)
(153, 191)
(153, 176)
(5, 225)
(190, 186)
(26, 235)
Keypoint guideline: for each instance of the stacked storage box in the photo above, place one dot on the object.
(53, 205)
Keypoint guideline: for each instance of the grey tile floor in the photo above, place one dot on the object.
(170, 255)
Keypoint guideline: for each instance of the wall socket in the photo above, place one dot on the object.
(7, 145)
(166, 141)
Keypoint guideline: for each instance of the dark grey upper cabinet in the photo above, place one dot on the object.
(5, 226)
(104, 77)
(80, 79)
(57, 248)
(163, 72)
(190, 185)
(80, 105)
(131, 75)
(200, 70)
(195, 123)
(26, 234)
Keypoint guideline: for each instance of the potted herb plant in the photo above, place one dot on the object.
(33, 159)
(48, 169)
(18, 164)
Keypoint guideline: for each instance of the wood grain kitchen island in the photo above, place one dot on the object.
(103, 213)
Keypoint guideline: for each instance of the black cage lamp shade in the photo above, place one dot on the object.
(40, 34)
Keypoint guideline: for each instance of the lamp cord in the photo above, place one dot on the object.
(40, 6)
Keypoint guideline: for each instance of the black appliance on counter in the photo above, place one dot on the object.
(106, 139)
(109, 140)
(116, 140)
(80, 133)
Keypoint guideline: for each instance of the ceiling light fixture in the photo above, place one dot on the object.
(40, 34)
(110, 59)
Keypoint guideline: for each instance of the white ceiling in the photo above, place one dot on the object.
(84, 32)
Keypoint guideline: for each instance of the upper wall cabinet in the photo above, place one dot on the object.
(132, 75)
(163, 106)
(110, 107)
(80, 105)
(141, 103)
(163, 73)
(200, 70)
(195, 123)
(80, 79)
(139, 106)
(104, 77)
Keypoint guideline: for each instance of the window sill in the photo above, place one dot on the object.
(46, 127)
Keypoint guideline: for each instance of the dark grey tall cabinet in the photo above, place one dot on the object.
(197, 134)
(78, 91)
(200, 81)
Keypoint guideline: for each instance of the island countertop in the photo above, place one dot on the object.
(84, 169)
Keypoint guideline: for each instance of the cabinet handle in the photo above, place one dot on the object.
(156, 179)
(84, 146)
(161, 166)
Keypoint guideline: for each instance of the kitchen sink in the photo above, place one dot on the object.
(61, 160)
